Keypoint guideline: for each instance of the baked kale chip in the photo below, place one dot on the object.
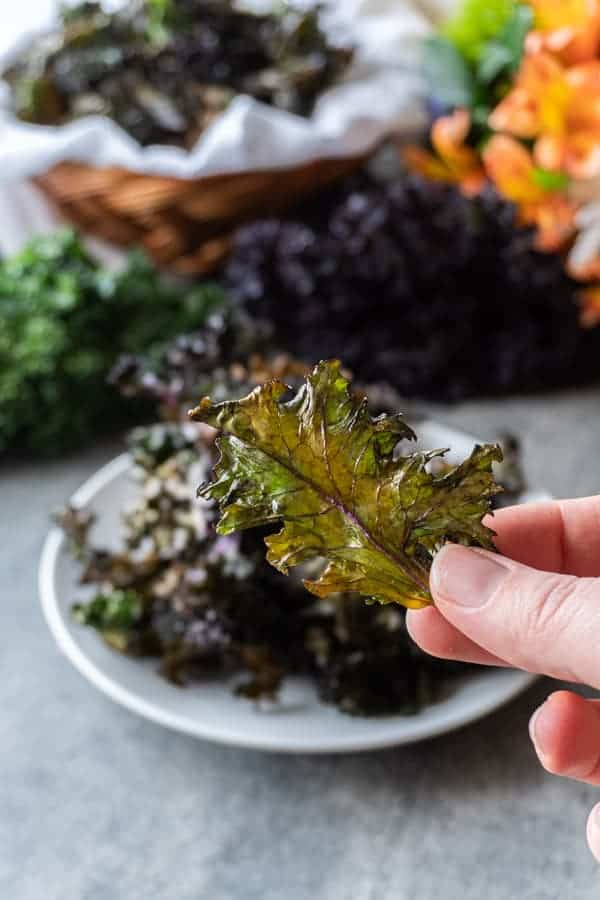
(321, 464)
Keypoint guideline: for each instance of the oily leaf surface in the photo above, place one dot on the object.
(323, 466)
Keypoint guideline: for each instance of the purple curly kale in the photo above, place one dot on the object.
(441, 295)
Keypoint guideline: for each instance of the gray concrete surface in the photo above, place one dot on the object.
(96, 804)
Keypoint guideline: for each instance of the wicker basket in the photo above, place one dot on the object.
(184, 225)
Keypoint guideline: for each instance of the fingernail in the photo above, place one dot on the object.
(594, 821)
(533, 723)
(593, 831)
(536, 732)
(465, 577)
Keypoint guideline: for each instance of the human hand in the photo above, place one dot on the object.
(535, 608)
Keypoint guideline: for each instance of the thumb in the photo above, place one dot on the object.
(539, 621)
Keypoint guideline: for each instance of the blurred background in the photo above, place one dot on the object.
(197, 196)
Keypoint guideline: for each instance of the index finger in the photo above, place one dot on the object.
(560, 536)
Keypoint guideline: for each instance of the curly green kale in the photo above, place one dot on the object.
(64, 320)
(322, 465)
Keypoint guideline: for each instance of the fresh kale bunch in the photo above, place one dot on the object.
(336, 479)
(64, 320)
(411, 283)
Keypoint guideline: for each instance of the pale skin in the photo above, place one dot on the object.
(536, 607)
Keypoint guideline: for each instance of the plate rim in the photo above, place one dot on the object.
(54, 545)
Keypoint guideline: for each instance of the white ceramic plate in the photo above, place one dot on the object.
(299, 722)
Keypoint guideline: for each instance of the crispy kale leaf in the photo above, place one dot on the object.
(323, 466)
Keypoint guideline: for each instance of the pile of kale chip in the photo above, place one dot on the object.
(164, 69)
(204, 605)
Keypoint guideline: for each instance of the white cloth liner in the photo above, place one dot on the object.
(382, 93)
(385, 90)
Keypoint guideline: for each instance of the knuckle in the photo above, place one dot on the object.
(543, 613)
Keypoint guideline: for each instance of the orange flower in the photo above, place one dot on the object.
(559, 108)
(589, 299)
(511, 168)
(455, 161)
(570, 29)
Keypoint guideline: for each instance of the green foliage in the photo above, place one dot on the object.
(502, 55)
(319, 463)
(64, 319)
(449, 75)
(159, 14)
(549, 180)
(477, 22)
(115, 614)
(472, 61)
(114, 611)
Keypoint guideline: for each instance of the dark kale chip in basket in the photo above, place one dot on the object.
(164, 69)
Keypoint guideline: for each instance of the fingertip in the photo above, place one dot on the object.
(438, 568)
(534, 620)
(565, 731)
(593, 832)
(564, 705)
(434, 635)
(463, 579)
(551, 728)
(421, 624)
(437, 637)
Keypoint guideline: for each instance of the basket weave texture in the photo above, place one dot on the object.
(184, 225)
